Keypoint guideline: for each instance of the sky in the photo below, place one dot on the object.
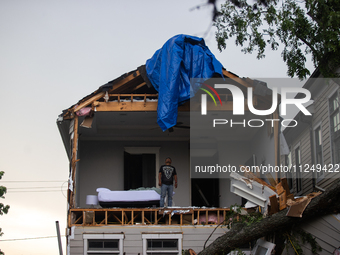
(53, 53)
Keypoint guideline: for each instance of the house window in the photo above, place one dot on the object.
(103, 244)
(335, 126)
(298, 179)
(318, 149)
(167, 244)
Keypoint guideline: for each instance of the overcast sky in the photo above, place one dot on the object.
(53, 53)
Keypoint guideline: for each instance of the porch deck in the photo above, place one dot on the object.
(146, 216)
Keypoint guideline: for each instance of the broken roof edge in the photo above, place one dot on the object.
(140, 71)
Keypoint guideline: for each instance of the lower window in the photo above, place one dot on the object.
(162, 244)
(103, 244)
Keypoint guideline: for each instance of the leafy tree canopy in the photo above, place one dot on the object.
(306, 27)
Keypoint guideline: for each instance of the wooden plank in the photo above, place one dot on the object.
(270, 179)
(235, 78)
(187, 218)
(115, 86)
(252, 176)
(121, 222)
(279, 188)
(77, 220)
(152, 106)
(74, 161)
(285, 186)
(139, 86)
(126, 106)
(283, 200)
(88, 101)
(125, 218)
(133, 95)
(274, 206)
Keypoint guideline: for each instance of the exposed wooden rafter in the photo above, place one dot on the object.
(117, 85)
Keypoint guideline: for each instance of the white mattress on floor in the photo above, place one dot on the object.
(106, 195)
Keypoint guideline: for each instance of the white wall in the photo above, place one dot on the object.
(236, 153)
(102, 165)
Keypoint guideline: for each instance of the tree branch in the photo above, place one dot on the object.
(326, 203)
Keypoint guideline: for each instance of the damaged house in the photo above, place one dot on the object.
(314, 150)
(117, 137)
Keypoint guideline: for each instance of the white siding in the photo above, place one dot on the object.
(326, 232)
(307, 147)
(194, 237)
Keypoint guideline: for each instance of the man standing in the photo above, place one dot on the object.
(166, 176)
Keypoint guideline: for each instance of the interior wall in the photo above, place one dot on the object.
(263, 146)
(102, 165)
(235, 153)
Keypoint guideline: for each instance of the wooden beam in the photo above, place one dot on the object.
(235, 78)
(115, 86)
(80, 216)
(252, 176)
(74, 161)
(120, 83)
(134, 95)
(152, 106)
(126, 106)
(139, 86)
(274, 206)
(89, 101)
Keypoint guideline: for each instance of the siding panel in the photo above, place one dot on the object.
(194, 237)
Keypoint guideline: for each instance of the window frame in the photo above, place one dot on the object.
(298, 173)
(289, 174)
(332, 113)
(318, 149)
(108, 236)
(175, 236)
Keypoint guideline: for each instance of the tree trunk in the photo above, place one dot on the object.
(326, 203)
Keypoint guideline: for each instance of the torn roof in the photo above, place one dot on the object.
(138, 82)
(170, 70)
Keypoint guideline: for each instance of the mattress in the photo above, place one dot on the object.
(128, 198)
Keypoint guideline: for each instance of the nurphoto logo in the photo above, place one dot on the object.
(239, 104)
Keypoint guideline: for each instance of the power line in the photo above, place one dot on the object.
(34, 191)
(58, 187)
(33, 181)
(28, 238)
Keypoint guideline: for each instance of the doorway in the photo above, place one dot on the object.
(205, 192)
(139, 170)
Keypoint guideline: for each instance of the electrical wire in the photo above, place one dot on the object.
(60, 188)
(29, 238)
(35, 188)
(33, 191)
(33, 181)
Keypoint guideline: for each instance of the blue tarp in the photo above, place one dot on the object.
(170, 69)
